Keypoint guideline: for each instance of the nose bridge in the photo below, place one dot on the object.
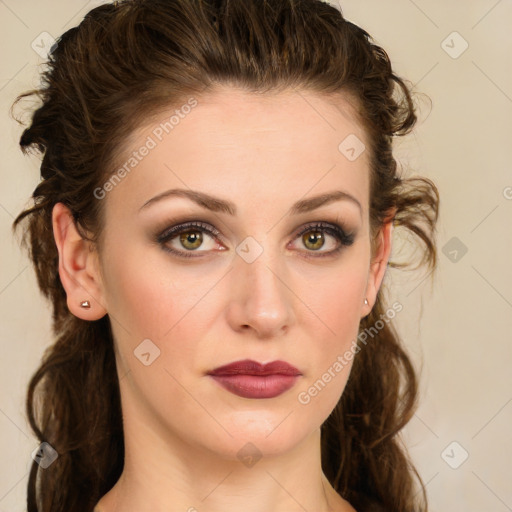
(263, 299)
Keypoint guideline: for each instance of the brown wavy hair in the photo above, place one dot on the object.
(129, 60)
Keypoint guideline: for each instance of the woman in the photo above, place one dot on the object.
(213, 228)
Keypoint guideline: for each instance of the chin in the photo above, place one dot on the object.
(260, 434)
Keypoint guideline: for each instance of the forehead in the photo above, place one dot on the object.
(294, 114)
(277, 145)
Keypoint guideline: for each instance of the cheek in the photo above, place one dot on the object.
(149, 297)
(335, 298)
(153, 301)
(333, 331)
(339, 304)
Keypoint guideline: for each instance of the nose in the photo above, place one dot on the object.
(261, 300)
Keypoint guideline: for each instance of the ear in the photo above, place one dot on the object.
(379, 263)
(78, 266)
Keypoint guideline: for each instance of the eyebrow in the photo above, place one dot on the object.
(216, 204)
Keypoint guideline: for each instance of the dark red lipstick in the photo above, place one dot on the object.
(250, 379)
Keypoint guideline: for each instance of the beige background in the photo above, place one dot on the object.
(459, 329)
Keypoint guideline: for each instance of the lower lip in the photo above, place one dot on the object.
(256, 386)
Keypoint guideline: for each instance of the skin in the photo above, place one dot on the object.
(182, 430)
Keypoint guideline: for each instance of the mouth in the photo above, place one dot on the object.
(250, 379)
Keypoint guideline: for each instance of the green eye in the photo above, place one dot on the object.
(191, 238)
(196, 239)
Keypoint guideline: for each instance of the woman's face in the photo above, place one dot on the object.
(243, 283)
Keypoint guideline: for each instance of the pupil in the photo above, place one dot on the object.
(190, 237)
(314, 238)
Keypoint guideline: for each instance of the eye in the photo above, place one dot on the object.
(190, 236)
(313, 238)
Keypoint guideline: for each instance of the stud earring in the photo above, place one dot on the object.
(366, 301)
(85, 304)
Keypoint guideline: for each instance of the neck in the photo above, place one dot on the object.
(168, 475)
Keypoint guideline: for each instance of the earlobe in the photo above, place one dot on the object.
(78, 267)
(379, 264)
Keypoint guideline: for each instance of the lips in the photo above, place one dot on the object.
(250, 379)
(249, 367)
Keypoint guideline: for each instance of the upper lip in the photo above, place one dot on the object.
(250, 367)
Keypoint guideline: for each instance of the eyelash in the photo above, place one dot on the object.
(334, 230)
